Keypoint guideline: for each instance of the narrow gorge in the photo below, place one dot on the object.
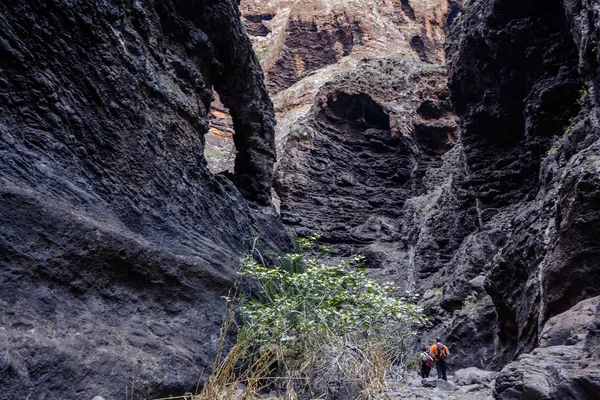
(147, 145)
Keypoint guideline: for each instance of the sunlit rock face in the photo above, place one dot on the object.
(301, 45)
(116, 242)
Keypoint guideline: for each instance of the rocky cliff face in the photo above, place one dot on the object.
(530, 143)
(529, 109)
(377, 167)
(116, 242)
(302, 45)
(565, 363)
(350, 167)
(497, 230)
(296, 38)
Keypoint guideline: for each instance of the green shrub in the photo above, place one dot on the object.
(473, 300)
(329, 325)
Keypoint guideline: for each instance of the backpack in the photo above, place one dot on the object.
(442, 353)
(427, 359)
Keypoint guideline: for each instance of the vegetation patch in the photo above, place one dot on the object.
(473, 300)
(315, 328)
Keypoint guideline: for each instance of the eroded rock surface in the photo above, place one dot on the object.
(302, 45)
(532, 161)
(513, 203)
(377, 168)
(294, 38)
(362, 152)
(116, 242)
(565, 365)
(529, 145)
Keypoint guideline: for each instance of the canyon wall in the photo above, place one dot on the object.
(496, 226)
(524, 80)
(376, 165)
(474, 184)
(116, 242)
(301, 45)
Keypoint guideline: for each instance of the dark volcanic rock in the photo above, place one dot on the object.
(115, 240)
(514, 203)
(255, 26)
(565, 365)
(364, 150)
(375, 169)
(515, 84)
(524, 81)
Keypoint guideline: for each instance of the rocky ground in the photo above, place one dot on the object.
(418, 391)
(465, 384)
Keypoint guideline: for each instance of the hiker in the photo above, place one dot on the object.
(440, 353)
(425, 361)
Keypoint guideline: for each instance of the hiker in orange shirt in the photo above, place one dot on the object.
(440, 354)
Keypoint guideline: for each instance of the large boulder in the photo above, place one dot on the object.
(566, 363)
(429, 382)
(472, 375)
(438, 383)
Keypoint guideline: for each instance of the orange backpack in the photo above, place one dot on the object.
(442, 353)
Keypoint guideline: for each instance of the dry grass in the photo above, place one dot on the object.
(322, 330)
(355, 368)
(238, 375)
(332, 369)
(228, 383)
(326, 366)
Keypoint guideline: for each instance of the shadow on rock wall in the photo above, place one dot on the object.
(116, 242)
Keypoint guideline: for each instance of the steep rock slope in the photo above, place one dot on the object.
(377, 168)
(116, 242)
(295, 38)
(349, 168)
(530, 131)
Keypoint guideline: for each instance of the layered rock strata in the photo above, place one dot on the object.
(362, 152)
(295, 38)
(302, 45)
(116, 242)
(523, 82)
(376, 167)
